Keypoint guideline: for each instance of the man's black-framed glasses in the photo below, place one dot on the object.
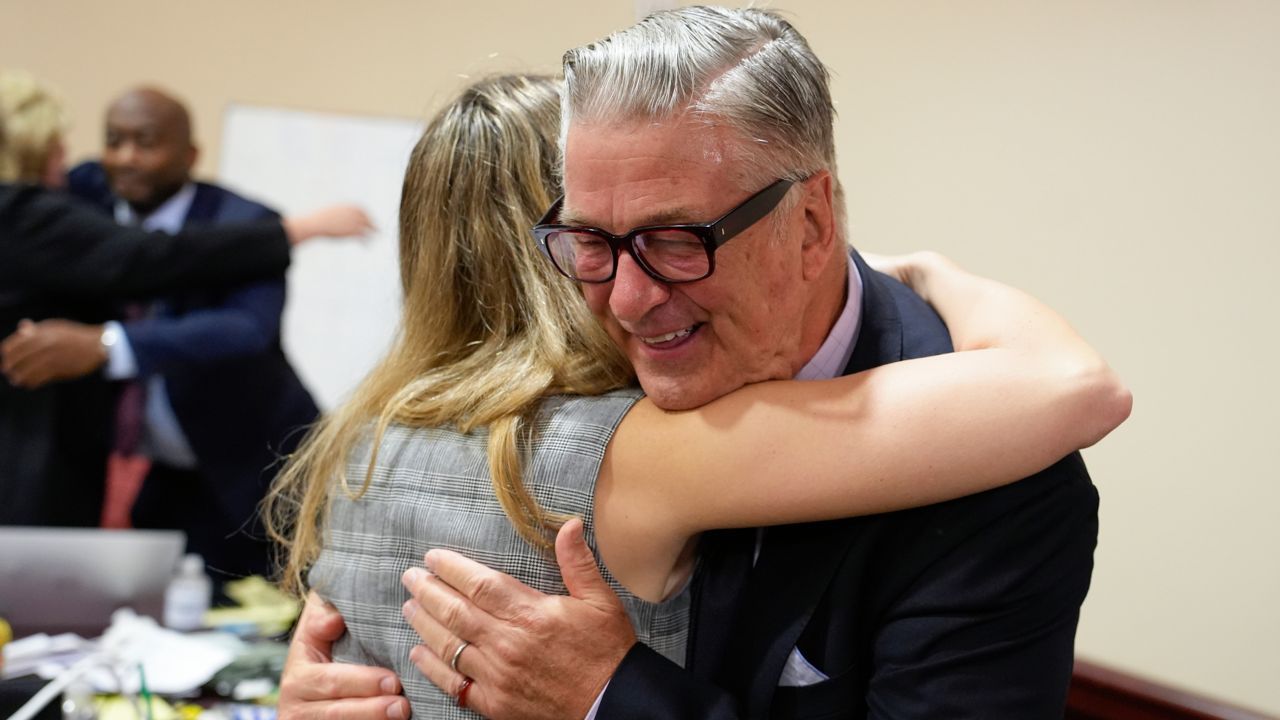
(668, 253)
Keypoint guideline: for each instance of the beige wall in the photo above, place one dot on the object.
(1120, 159)
(386, 57)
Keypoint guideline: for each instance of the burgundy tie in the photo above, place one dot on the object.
(126, 469)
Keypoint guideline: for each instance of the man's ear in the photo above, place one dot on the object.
(193, 154)
(819, 239)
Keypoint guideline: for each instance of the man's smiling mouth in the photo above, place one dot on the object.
(669, 337)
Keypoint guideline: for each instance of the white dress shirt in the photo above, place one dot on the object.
(162, 436)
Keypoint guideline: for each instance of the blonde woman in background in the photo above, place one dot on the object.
(503, 409)
(34, 123)
(59, 259)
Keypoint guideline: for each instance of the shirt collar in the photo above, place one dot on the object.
(833, 356)
(169, 217)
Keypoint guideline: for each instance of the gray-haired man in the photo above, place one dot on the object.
(963, 609)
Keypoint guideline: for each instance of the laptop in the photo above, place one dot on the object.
(71, 579)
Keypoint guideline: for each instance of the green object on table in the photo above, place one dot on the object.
(144, 692)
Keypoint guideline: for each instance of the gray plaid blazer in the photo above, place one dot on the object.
(431, 489)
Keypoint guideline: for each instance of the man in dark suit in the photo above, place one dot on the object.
(221, 400)
(961, 609)
(61, 259)
(957, 610)
(58, 259)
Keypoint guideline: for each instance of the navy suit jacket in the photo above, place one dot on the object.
(236, 397)
(61, 259)
(962, 609)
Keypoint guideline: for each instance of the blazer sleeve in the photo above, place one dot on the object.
(988, 628)
(245, 323)
(52, 244)
(647, 685)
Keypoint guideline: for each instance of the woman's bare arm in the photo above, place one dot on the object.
(1022, 391)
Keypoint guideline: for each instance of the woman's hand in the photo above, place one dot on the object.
(899, 267)
(913, 269)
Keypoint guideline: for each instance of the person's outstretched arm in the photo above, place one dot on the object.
(244, 324)
(52, 244)
(331, 221)
(1023, 391)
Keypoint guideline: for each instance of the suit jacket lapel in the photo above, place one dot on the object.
(797, 562)
(204, 205)
(880, 336)
(724, 563)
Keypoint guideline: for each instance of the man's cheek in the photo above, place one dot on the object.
(597, 301)
(598, 305)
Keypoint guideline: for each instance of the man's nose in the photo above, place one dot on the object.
(634, 292)
(125, 153)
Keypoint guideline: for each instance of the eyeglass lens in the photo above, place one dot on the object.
(671, 253)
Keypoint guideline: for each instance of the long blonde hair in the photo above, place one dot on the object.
(489, 328)
(32, 120)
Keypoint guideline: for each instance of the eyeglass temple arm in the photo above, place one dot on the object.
(552, 214)
(751, 212)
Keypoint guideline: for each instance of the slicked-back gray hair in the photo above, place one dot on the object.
(748, 69)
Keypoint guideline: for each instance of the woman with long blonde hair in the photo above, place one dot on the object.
(502, 409)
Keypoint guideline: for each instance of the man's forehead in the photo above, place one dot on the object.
(141, 120)
(134, 120)
(660, 201)
(650, 172)
(658, 215)
(147, 112)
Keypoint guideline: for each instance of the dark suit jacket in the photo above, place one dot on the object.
(236, 397)
(61, 258)
(963, 609)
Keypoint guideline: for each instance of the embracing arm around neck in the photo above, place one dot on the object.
(1022, 391)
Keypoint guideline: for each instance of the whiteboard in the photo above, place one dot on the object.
(343, 297)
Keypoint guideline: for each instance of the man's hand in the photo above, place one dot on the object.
(530, 655)
(313, 687)
(38, 353)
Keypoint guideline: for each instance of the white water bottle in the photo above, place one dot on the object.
(188, 595)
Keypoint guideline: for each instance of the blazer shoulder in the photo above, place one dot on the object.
(923, 331)
(896, 324)
(1063, 488)
(88, 181)
(217, 204)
